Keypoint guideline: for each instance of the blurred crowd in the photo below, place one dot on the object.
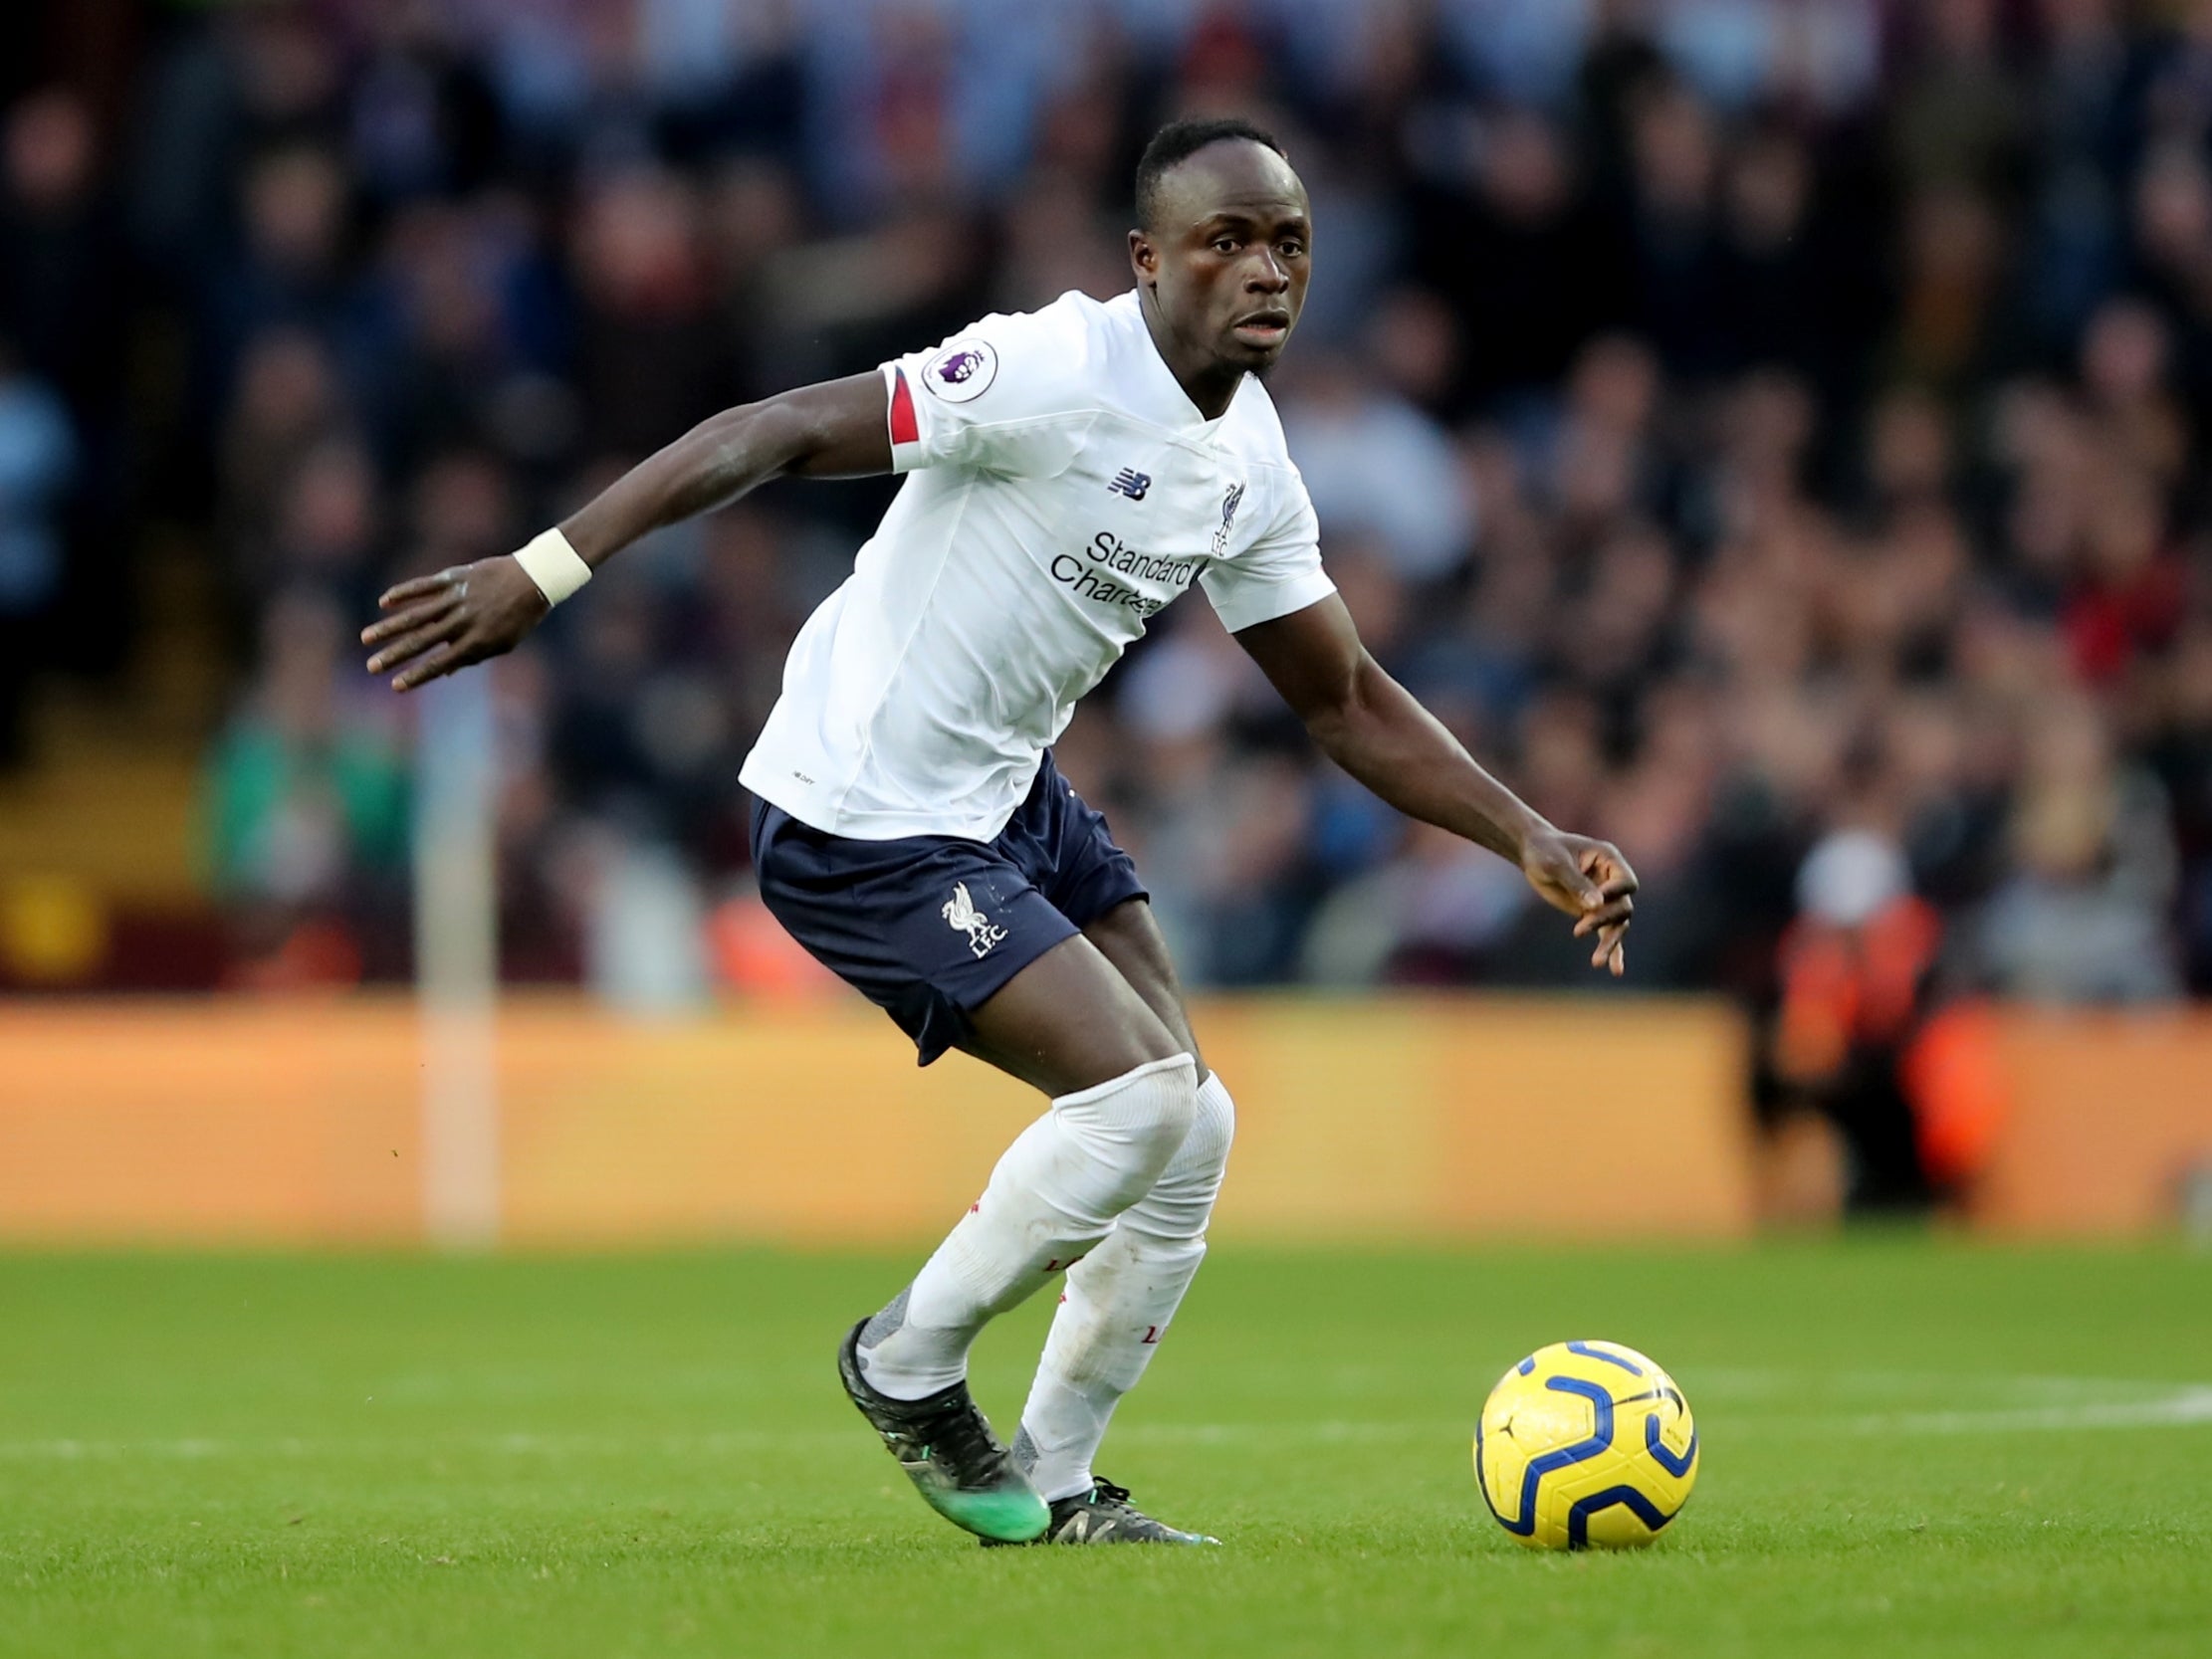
(1769, 431)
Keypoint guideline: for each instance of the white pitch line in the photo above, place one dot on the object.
(2188, 1407)
(2183, 1407)
(510, 1444)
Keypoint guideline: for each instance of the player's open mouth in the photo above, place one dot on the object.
(1263, 328)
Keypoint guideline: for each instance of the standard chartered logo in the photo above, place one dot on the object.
(1106, 557)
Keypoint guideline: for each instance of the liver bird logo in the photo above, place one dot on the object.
(961, 915)
(1230, 503)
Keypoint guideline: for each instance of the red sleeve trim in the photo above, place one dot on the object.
(904, 428)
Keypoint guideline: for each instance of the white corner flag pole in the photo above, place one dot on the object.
(457, 961)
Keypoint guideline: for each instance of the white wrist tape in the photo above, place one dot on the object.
(556, 568)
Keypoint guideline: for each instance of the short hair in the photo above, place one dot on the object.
(1176, 143)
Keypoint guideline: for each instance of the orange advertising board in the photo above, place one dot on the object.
(273, 1122)
(276, 1122)
(2109, 1126)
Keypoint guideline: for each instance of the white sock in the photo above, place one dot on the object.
(1119, 1300)
(1053, 1197)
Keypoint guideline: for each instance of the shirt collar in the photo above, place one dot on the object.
(1159, 395)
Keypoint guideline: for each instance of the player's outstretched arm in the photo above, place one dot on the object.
(436, 624)
(1372, 726)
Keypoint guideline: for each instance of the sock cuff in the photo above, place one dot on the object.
(1215, 1090)
(1114, 1085)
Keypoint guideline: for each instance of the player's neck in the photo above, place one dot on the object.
(1207, 381)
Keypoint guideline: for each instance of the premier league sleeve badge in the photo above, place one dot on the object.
(961, 371)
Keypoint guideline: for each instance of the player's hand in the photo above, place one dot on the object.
(1591, 883)
(437, 624)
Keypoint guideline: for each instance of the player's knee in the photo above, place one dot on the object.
(1166, 1113)
(1181, 1202)
(1213, 1130)
(1138, 1120)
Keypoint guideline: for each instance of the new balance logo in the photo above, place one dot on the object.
(961, 915)
(1131, 484)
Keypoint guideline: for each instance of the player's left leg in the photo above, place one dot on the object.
(954, 939)
(1120, 1297)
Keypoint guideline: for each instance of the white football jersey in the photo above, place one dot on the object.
(1063, 490)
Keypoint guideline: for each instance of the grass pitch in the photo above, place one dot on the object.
(1909, 1448)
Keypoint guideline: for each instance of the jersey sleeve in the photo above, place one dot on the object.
(1005, 395)
(1279, 573)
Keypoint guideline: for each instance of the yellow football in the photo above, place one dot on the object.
(1585, 1443)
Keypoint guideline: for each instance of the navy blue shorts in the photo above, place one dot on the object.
(928, 927)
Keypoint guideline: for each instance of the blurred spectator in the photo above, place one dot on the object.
(646, 355)
(1432, 914)
(1774, 277)
(2183, 757)
(1510, 241)
(307, 808)
(38, 458)
(288, 405)
(291, 264)
(1854, 992)
(2082, 918)
(1673, 249)
(1375, 464)
(1957, 116)
(60, 260)
(63, 284)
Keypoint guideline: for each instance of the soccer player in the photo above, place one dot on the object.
(1072, 471)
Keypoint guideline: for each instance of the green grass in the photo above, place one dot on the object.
(1909, 1448)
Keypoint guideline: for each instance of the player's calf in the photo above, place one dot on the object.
(1053, 1197)
(1120, 1300)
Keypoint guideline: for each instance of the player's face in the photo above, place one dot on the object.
(1230, 257)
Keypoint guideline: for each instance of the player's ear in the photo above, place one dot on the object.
(1144, 258)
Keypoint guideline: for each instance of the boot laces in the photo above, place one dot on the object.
(962, 1434)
